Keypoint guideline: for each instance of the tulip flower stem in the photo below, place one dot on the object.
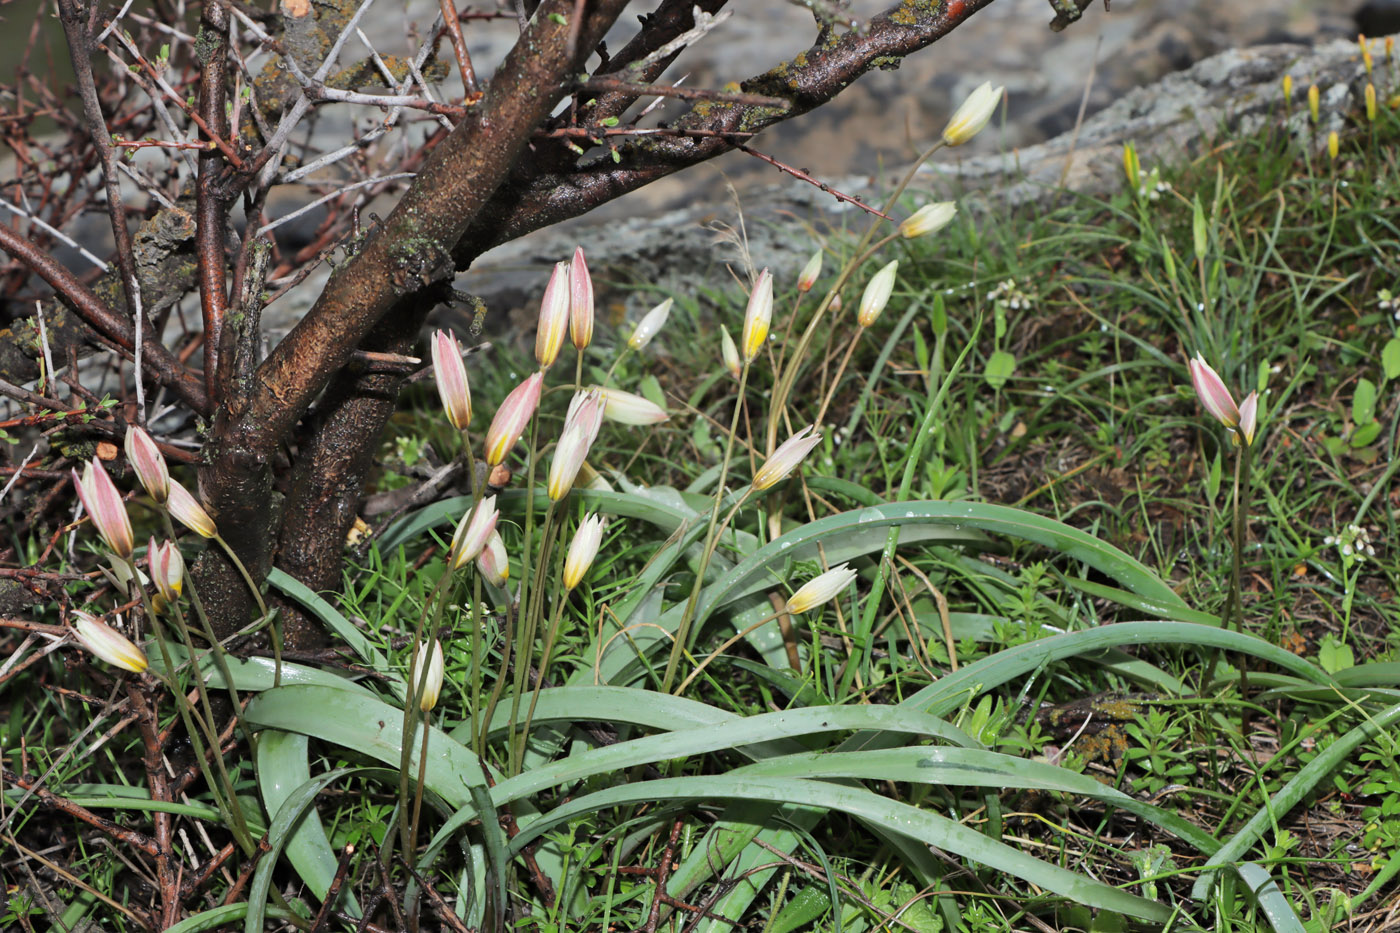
(678, 647)
(840, 371)
(621, 355)
(1233, 616)
(529, 628)
(410, 851)
(262, 608)
(913, 461)
(549, 640)
(728, 643)
(414, 685)
(478, 736)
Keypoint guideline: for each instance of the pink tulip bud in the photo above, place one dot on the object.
(512, 418)
(554, 317)
(758, 317)
(820, 589)
(493, 562)
(186, 510)
(1249, 417)
(431, 658)
(452, 379)
(1210, 389)
(148, 462)
(107, 644)
(580, 430)
(472, 533)
(626, 408)
(580, 301)
(582, 550)
(810, 272)
(167, 568)
(730, 352)
(104, 505)
(785, 459)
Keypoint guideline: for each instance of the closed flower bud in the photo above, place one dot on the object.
(186, 510)
(580, 430)
(1370, 102)
(626, 408)
(1210, 389)
(1334, 145)
(512, 418)
(877, 294)
(167, 568)
(451, 376)
(105, 507)
(757, 317)
(582, 550)
(1287, 88)
(554, 317)
(810, 272)
(1314, 102)
(148, 462)
(430, 657)
(967, 121)
(472, 533)
(648, 326)
(785, 459)
(493, 562)
(580, 301)
(928, 219)
(107, 644)
(820, 589)
(1249, 417)
(729, 352)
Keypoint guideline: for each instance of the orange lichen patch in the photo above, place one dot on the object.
(296, 8)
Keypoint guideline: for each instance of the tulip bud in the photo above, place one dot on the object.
(758, 317)
(626, 408)
(1370, 102)
(967, 121)
(167, 568)
(107, 644)
(582, 550)
(1365, 52)
(1132, 167)
(512, 418)
(104, 506)
(432, 683)
(1210, 389)
(186, 510)
(928, 219)
(1314, 101)
(729, 352)
(1287, 88)
(452, 379)
(554, 317)
(877, 294)
(580, 430)
(493, 561)
(820, 589)
(472, 533)
(1334, 145)
(580, 301)
(1249, 417)
(785, 459)
(810, 272)
(647, 327)
(148, 462)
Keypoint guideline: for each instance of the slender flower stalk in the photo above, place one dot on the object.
(452, 379)
(472, 533)
(186, 510)
(649, 325)
(583, 549)
(626, 408)
(554, 317)
(107, 644)
(580, 301)
(104, 505)
(512, 418)
(758, 317)
(167, 568)
(820, 589)
(148, 463)
(785, 459)
(974, 113)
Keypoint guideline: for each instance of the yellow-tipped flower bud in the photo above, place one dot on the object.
(877, 294)
(810, 272)
(148, 462)
(167, 568)
(758, 317)
(785, 459)
(1314, 102)
(512, 418)
(493, 562)
(967, 121)
(730, 352)
(1287, 88)
(186, 510)
(626, 408)
(431, 658)
(472, 533)
(580, 301)
(1365, 51)
(928, 219)
(1370, 102)
(820, 589)
(1334, 145)
(582, 550)
(105, 507)
(107, 644)
(554, 317)
(451, 376)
